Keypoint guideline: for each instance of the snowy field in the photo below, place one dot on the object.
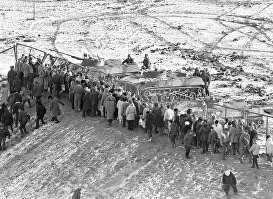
(172, 32)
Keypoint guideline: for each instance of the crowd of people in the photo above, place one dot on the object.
(99, 97)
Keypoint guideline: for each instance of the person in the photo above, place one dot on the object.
(206, 78)
(213, 137)
(146, 63)
(188, 139)
(269, 149)
(168, 116)
(252, 134)
(196, 127)
(173, 132)
(130, 115)
(37, 91)
(54, 108)
(7, 119)
(233, 132)
(4, 94)
(4, 133)
(119, 106)
(129, 60)
(226, 142)
(26, 95)
(25, 69)
(176, 119)
(157, 113)
(144, 114)
(11, 77)
(150, 120)
(23, 118)
(15, 111)
(40, 111)
(123, 110)
(71, 94)
(135, 102)
(78, 93)
(94, 97)
(244, 146)
(196, 73)
(255, 149)
(204, 136)
(110, 108)
(103, 100)
(229, 180)
(16, 85)
(86, 103)
(219, 130)
(57, 81)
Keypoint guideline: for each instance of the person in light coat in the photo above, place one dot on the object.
(110, 107)
(119, 106)
(255, 149)
(219, 130)
(269, 149)
(130, 115)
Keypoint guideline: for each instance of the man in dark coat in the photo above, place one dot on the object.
(11, 77)
(157, 113)
(57, 81)
(94, 97)
(188, 138)
(37, 91)
(213, 137)
(129, 60)
(174, 130)
(17, 84)
(204, 135)
(23, 119)
(86, 103)
(150, 120)
(7, 119)
(15, 111)
(13, 98)
(137, 112)
(146, 62)
(40, 111)
(4, 133)
(229, 180)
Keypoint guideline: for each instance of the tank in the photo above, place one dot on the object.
(168, 90)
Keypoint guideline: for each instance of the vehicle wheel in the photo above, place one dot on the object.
(192, 95)
(146, 94)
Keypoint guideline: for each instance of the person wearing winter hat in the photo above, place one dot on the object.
(269, 149)
(229, 180)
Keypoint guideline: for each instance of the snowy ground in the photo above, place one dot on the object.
(166, 30)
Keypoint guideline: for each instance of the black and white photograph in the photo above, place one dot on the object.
(136, 99)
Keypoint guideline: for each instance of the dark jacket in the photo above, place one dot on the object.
(4, 132)
(213, 136)
(40, 110)
(86, 102)
(94, 97)
(174, 129)
(57, 79)
(188, 140)
(11, 75)
(16, 106)
(204, 132)
(23, 117)
(150, 120)
(230, 180)
(37, 90)
(17, 85)
(158, 116)
(7, 118)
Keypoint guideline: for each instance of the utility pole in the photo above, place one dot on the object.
(34, 5)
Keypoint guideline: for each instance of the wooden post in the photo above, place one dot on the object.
(225, 112)
(266, 125)
(16, 58)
